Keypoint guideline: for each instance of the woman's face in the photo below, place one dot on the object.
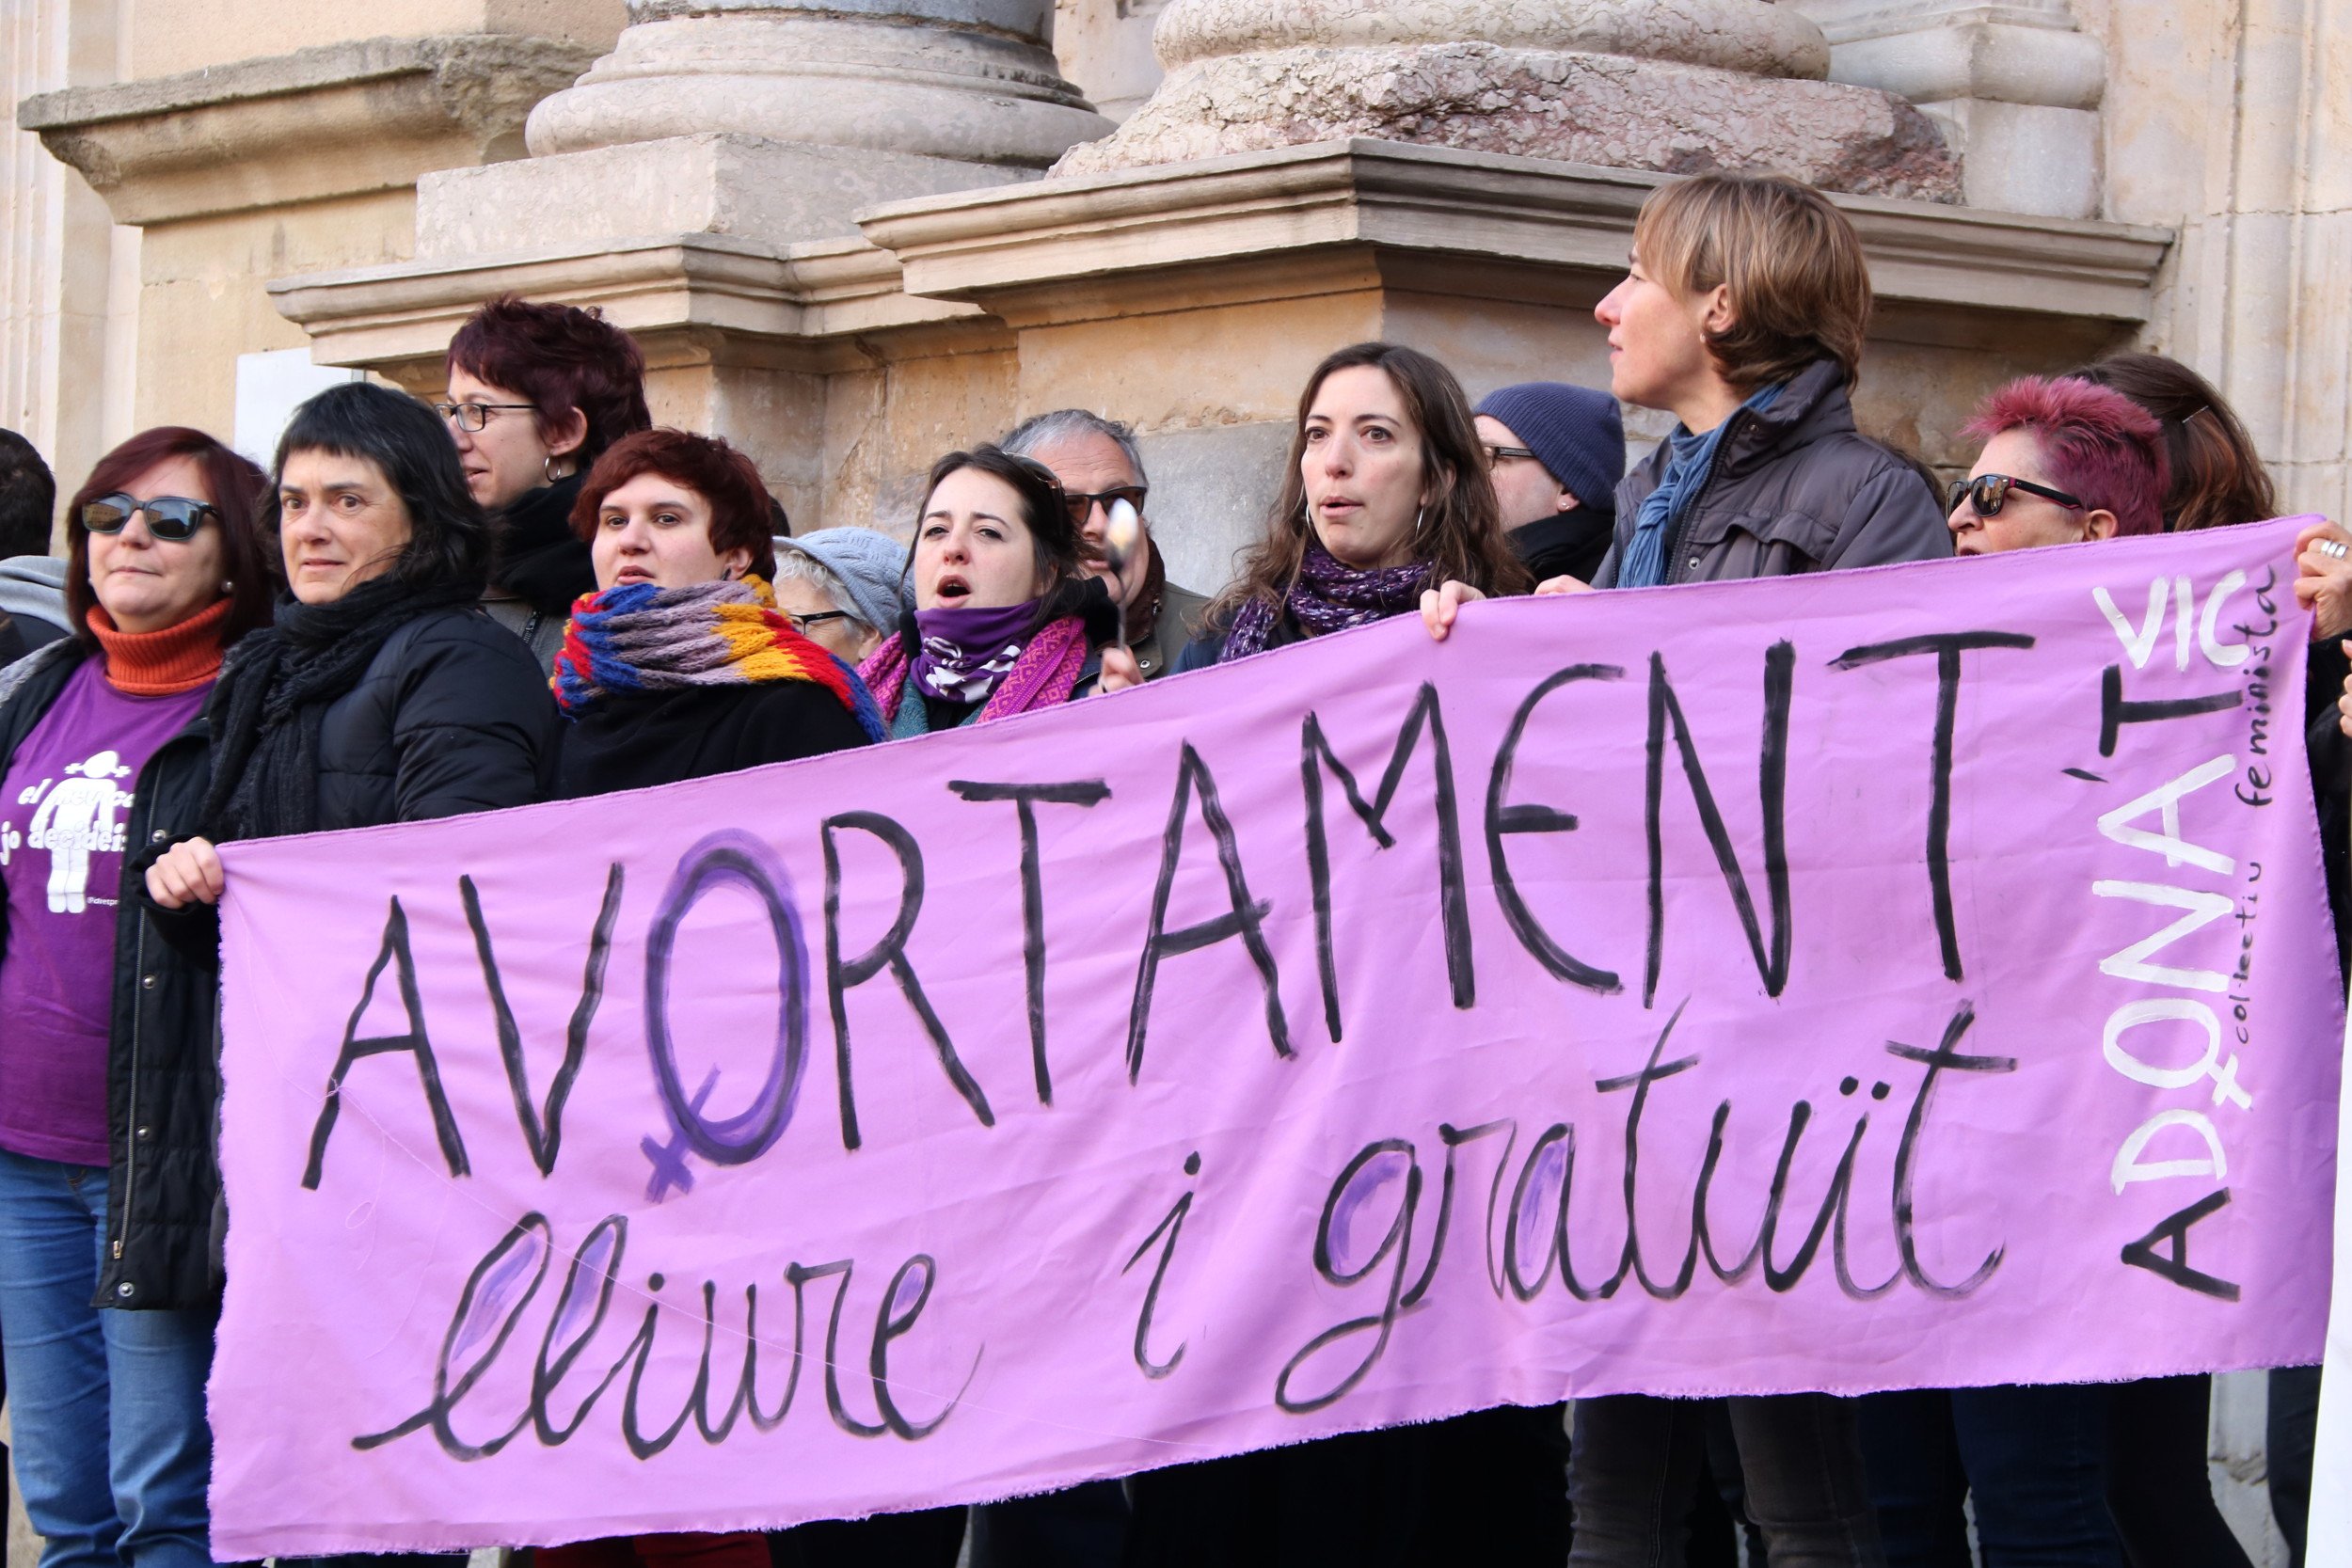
(2024, 520)
(1361, 465)
(148, 583)
(507, 458)
(851, 639)
(972, 551)
(654, 530)
(1657, 354)
(341, 523)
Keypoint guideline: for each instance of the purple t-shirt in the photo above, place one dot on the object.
(65, 809)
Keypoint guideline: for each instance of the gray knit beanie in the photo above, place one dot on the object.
(1575, 432)
(867, 562)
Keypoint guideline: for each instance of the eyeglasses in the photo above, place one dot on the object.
(474, 417)
(173, 517)
(802, 622)
(1082, 505)
(1506, 454)
(1988, 493)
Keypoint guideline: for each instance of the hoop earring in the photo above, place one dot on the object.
(1419, 512)
(546, 465)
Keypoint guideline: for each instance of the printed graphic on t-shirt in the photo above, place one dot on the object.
(74, 818)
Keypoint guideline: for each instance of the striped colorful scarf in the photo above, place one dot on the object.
(645, 638)
(1045, 673)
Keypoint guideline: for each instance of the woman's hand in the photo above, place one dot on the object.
(1564, 585)
(188, 873)
(1120, 670)
(2323, 580)
(2344, 704)
(1440, 606)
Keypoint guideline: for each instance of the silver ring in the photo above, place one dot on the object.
(2335, 549)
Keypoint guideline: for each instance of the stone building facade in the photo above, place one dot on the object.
(853, 233)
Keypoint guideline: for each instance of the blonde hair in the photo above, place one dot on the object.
(1792, 264)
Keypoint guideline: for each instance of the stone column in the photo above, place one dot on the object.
(774, 119)
(1670, 85)
(2015, 87)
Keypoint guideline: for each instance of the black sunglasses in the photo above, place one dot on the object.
(1082, 505)
(1506, 454)
(174, 518)
(1988, 493)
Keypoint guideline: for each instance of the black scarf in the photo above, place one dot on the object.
(540, 561)
(266, 709)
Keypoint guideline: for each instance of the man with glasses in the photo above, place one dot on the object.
(1098, 464)
(1555, 453)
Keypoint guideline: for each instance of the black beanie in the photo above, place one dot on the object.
(1575, 432)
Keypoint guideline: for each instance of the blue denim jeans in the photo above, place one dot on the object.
(111, 1447)
(2034, 1458)
(1633, 1475)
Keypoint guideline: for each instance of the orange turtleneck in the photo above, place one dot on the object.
(162, 663)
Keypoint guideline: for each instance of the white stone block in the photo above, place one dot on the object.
(2025, 157)
(774, 192)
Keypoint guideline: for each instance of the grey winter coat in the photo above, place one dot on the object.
(1795, 488)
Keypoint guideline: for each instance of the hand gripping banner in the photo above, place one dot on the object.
(1908, 977)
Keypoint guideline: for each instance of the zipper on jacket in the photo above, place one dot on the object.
(131, 1154)
(1674, 541)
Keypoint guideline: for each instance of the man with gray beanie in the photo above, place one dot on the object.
(839, 587)
(1555, 453)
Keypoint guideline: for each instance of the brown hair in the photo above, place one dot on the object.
(1800, 288)
(1462, 533)
(237, 489)
(2216, 476)
(730, 482)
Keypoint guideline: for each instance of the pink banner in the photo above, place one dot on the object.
(1915, 976)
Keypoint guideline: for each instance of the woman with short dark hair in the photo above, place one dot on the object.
(1001, 599)
(383, 693)
(108, 1179)
(679, 666)
(537, 392)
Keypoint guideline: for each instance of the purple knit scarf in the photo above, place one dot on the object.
(1329, 595)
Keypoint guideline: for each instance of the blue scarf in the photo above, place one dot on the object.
(1689, 459)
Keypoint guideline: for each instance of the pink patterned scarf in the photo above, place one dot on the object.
(1045, 673)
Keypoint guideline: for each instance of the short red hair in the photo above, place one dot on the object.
(741, 512)
(558, 358)
(2102, 448)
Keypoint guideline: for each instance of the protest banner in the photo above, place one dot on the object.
(1914, 976)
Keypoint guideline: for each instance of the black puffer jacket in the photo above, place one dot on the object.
(163, 1086)
(1795, 488)
(450, 716)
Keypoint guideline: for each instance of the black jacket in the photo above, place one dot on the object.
(450, 716)
(1795, 488)
(1568, 544)
(540, 568)
(162, 1083)
(655, 737)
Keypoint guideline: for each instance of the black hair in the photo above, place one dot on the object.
(29, 498)
(449, 538)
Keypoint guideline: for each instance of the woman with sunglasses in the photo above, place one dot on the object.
(2063, 462)
(107, 1170)
(680, 665)
(1001, 599)
(537, 392)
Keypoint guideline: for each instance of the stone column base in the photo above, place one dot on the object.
(749, 188)
(1581, 109)
(2026, 157)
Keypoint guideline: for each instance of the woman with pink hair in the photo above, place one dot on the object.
(2060, 1473)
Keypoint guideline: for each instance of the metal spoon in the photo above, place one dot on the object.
(1122, 532)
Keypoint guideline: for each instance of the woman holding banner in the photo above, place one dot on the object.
(383, 693)
(1385, 508)
(107, 1086)
(679, 666)
(2064, 461)
(1001, 599)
